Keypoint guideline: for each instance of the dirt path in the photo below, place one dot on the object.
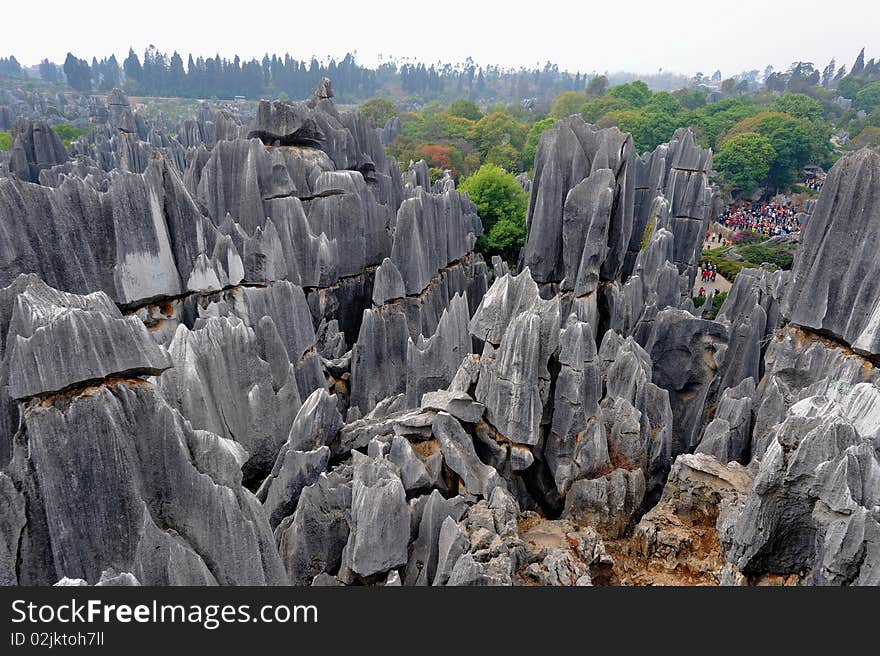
(721, 283)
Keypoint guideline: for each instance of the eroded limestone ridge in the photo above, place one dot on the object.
(255, 353)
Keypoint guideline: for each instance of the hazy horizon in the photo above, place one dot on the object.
(677, 37)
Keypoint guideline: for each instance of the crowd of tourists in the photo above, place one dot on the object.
(814, 183)
(708, 271)
(768, 219)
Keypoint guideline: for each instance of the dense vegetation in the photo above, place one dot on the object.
(761, 139)
(69, 133)
(161, 74)
(501, 203)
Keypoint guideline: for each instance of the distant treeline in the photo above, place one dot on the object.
(160, 74)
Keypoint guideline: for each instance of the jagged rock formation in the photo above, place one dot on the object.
(257, 353)
(817, 411)
(678, 539)
(35, 147)
(216, 268)
(836, 261)
(105, 473)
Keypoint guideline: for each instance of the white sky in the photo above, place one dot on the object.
(684, 36)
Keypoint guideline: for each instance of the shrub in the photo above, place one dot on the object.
(757, 254)
(501, 204)
(746, 237)
(717, 301)
(68, 133)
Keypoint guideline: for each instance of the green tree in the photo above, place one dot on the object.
(850, 86)
(377, 111)
(405, 149)
(663, 102)
(465, 109)
(501, 204)
(505, 156)
(597, 86)
(648, 128)
(744, 160)
(693, 99)
(5, 141)
(495, 129)
(597, 108)
(68, 133)
(868, 97)
(506, 238)
(637, 93)
(471, 164)
(568, 103)
(715, 119)
(793, 139)
(798, 105)
(447, 126)
(532, 139)
(654, 129)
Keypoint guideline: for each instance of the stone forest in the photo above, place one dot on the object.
(250, 346)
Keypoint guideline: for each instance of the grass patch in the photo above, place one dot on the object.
(5, 140)
(727, 268)
(757, 254)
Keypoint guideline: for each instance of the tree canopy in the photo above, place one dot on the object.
(465, 109)
(78, 73)
(378, 111)
(568, 103)
(798, 105)
(792, 139)
(501, 203)
(496, 129)
(744, 161)
(637, 94)
(868, 97)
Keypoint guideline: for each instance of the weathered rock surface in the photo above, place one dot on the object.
(35, 147)
(592, 172)
(195, 309)
(115, 477)
(834, 286)
(45, 322)
(677, 539)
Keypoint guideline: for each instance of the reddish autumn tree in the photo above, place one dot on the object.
(437, 156)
